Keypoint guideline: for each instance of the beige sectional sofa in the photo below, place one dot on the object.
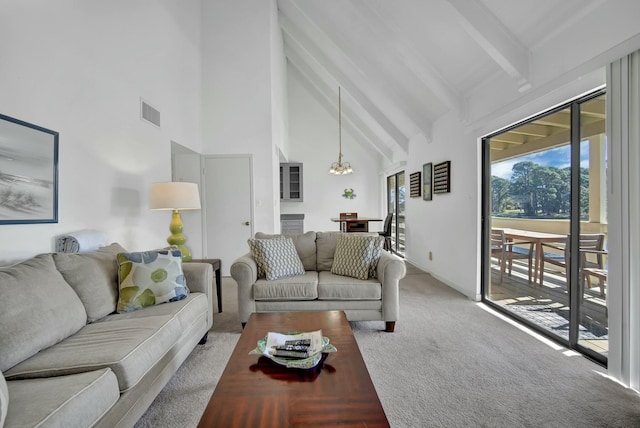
(372, 299)
(69, 361)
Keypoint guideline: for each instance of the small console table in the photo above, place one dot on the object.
(216, 268)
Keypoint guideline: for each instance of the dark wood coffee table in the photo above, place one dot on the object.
(256, 392)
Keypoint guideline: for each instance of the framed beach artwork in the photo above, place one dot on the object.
(427, 188)
(28, 173)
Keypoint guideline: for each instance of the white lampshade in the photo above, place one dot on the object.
(174, 196)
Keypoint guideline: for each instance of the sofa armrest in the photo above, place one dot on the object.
(391, 269)
(4, 399)
(244, 271)
(199, 278)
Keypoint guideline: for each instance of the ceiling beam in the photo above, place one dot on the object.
(326, 93)
(308, 52)
(351, 122)
(313, 43)
(554, 140)
(496, 39)
(408, 56)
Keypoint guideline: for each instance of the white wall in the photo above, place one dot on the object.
(446, 226)
(313, 134)
(237, 105)
(279, 108)
(80, 68)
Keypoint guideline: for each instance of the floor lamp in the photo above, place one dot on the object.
(176, 196)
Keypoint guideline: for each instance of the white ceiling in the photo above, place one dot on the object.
(403, 64)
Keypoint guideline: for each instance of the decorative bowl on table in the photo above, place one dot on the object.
(293, 363)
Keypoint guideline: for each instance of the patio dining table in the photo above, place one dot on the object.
(537, 238)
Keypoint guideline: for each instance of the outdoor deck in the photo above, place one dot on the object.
(548, 305)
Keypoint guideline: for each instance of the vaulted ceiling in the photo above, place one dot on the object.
(402, 64)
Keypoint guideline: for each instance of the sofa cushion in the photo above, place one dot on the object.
(187, 311)
(66, 401)
(278, 257)
(338, 287)
(37, 309)
(149, 278)
(4, 400)
(129, 347)
(304, 287)
(94, 277)
(356, 255)
(305, 244)
(326, 244)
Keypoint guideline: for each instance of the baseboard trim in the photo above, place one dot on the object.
(477, 297)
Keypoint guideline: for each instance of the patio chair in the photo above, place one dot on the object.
(558, 254)
(506, 251)
(590, 269)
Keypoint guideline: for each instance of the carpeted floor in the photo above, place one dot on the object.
(450, 363)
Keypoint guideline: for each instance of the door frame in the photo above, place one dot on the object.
(573, 268)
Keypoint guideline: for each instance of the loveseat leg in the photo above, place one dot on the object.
(243, 324)
(204, 339)
(390, 326)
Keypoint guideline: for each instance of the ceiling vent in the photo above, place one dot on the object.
(149, 113)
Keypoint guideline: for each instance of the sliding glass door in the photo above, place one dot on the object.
(544, 224)
(395, 205)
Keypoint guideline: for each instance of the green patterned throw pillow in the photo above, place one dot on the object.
(276, 258)
(150, 278)
(357, 256)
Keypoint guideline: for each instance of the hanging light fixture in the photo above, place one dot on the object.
(340, 168)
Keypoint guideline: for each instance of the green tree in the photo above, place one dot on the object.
(500, 194)
(584, 193)
(523, 183)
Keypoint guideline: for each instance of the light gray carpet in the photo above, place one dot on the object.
(448, 364)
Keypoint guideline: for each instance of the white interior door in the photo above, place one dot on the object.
(228, 208)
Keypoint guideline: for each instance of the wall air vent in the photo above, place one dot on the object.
(149, 113)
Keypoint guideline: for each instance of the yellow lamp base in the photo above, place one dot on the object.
(177, 238)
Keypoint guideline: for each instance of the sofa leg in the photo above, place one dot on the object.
(243, 324)
(204, 339)
(390, 326)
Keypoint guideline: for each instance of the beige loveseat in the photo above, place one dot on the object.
(372, 299)
(69, 361)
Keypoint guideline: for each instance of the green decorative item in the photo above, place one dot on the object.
(150, 278)
(176, 196)
(178, 238)
(348, 194)
(290, 363)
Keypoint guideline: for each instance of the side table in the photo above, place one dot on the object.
(216, 268)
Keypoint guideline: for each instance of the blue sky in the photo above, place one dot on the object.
(559, 157)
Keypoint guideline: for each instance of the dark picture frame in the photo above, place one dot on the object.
(414, 185)
(28, 173)
(427, 181)
(442, 177)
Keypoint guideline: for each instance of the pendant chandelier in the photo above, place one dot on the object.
(340, 168)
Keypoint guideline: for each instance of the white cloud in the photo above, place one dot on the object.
(503, 169)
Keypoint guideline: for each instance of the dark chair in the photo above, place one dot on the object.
(386, 232)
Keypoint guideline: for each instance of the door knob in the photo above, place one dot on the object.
(247, 223)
